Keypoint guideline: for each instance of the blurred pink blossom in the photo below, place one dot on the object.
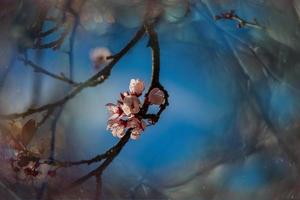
(99, 56)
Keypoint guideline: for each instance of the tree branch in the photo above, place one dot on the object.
(155, 82)
(114, 151)
(96, 79)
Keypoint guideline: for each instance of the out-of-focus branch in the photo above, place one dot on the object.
(39, 69)
(45, 117)
(254, 100)
(50, 31)
(98, 187)
(241, 23)
(207, 168)
(95, 80)
(54, 44)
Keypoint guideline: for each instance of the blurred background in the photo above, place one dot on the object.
(231, 130)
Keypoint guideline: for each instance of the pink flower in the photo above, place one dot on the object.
(99, 56)
(117, 127)
(136, 123)
(136, 86)
(131, 105)
(135, 134)
(138, 126)
(156, 96)
(114, 111)
(124, 115)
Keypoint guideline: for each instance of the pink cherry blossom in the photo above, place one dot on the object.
(135, 134)
(138, 126)
(125, 114)
(117, 128)
(156, 96)
(136, 123)
(114, 111)
(136, 86)
(131, 105)
(99, 56)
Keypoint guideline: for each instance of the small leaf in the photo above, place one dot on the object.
(28, 131)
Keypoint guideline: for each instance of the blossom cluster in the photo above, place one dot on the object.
(29, 165)
(126, 113)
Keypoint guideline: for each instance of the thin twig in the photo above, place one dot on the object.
(56, 44)
(39, 69)
(45, 117)
(231, 15)
(257, 104)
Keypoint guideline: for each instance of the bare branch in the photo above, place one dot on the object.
(50, 31)
(54, 44)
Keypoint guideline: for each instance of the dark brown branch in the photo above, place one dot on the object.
(154, 45)
(91, 82)
(39, 69)
(155, 82)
